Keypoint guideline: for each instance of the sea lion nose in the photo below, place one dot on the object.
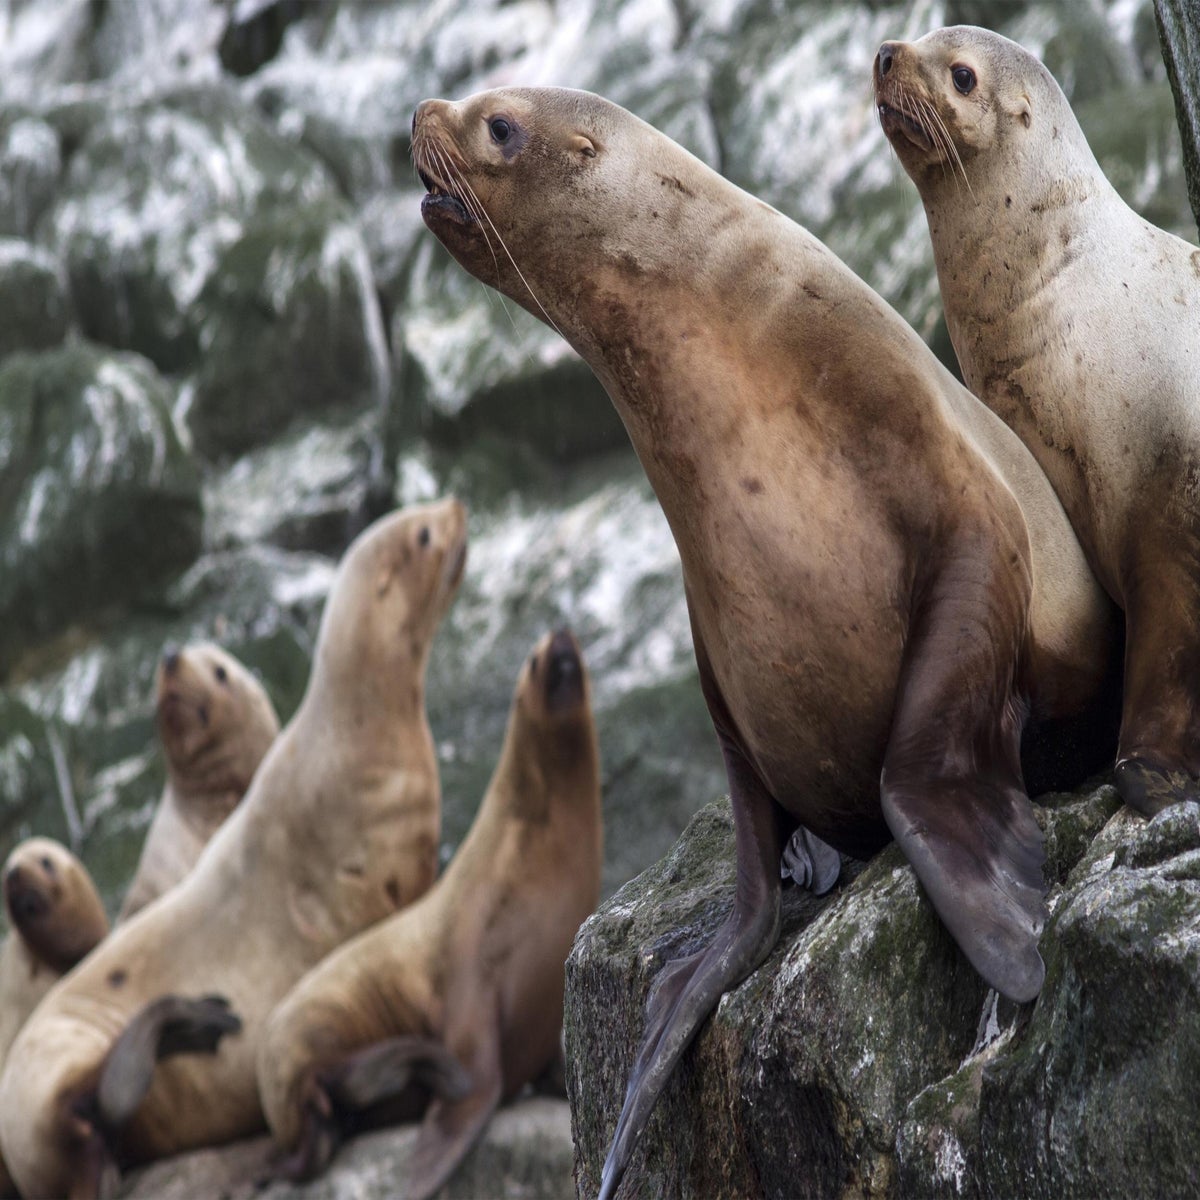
(170, 659)
(887, 52)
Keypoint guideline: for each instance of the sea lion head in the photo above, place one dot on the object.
(214, 719)
(962, 92)
(553, 686)
(392, 588)
(540, 192)
(52, 903)
(551, 748)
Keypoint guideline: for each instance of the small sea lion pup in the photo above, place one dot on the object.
(456, 1003)
(879, 578)
(1078, 323)
(339, 829)
(215, 723)
(55, 917)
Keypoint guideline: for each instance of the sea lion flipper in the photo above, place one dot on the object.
(952, 792)
(167, 1026)
(452, 1127)
(386, 1068)
(810, 862)
(687, 990)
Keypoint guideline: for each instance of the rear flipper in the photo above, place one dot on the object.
(810, 862)
(688, 989)
(452, 1127)
(951, 789)
(387, 1068)
(164, 1027)
(381, 1071)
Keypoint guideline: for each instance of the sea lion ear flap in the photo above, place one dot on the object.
(583, 145)
(1024, 110)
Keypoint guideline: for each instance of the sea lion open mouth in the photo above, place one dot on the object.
(895, 120)
(440, 199)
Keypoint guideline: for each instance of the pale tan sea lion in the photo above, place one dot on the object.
(881, 582)
(340, 828)
(215, 723)
(55, 918)
(456, 1002)
(1079, 323)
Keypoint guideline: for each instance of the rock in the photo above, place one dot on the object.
(289, 326)
(1178, 22)
(153, 194)
(30, 164)
(525, 1153)
(305, 491)
(863, 1057)
(478, 364)
(27, 778)
(43, 44)
(99, 503)
(33, 298)
(1098, 1093)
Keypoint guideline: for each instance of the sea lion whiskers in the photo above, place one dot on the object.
(472, 203)
(942, 136)
(419, 150)
(508, 252)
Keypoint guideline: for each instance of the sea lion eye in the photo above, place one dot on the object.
(964, 79)
(500, 128)
(423, 536)
(221, 674)
(47, 866)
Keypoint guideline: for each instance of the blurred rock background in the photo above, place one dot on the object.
(227, 341)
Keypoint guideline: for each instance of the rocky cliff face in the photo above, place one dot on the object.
(865, 1058)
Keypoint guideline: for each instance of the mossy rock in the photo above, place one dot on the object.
(33, 298)
(1100, 1093)
(290, 325)
(99, 503)
(30, 166)
(796, 1084)
(154, 191)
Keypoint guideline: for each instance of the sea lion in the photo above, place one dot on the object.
(1078, 322)
(55, 917)
(458, 999)
(339, 829)
(879, 578)
(215, 723)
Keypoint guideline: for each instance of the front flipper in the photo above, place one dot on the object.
(688, 989)
(164, 1027)
(452, 1127)
(952, 790)
(1148, 788)
(810, 862)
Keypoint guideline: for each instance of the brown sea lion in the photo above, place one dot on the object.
(340, 828)
(456, 1002)
(881, 583)
(1078, 322)
(55, 917)
(215, 723)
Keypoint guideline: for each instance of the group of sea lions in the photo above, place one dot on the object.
(905, 600)
(286, 956)
(897, 586)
